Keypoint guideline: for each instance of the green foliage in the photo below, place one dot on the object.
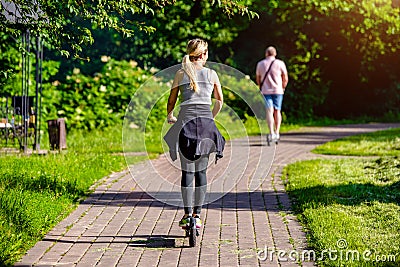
(344, 46)
(67, 25)
(94, 101)
(242, 95)
(175, 25)
(341, 55)
(12, 85)
(9, 57)
(371, 27)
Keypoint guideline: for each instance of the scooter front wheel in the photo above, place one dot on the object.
(192, 237)
(192, 232)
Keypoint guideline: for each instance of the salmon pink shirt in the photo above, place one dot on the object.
(273, 83)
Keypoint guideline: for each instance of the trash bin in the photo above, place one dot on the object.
(57, 134)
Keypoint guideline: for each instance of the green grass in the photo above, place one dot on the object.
(382, 143)
(355, 199)
(37, 192)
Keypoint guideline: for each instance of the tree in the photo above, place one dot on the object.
(67, 25)
(355, 45)
(340, 53)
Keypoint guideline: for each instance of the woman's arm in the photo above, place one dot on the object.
(173, 96)
(217, 94)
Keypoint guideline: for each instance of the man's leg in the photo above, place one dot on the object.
(269, 110)
(270, 120)
(278, 120)
(277, 102)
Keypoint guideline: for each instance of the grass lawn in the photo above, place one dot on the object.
(37, 192)
(382, 143)
(351, 206)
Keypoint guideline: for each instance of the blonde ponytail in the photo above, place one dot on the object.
(190, 70)
(194, 49)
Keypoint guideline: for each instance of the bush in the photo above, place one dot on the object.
(98, 101)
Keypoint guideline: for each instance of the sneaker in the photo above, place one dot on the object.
(273, 137)
(198, 222)
(184, 222)
(277, 137)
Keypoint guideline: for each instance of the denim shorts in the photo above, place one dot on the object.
(274, 101)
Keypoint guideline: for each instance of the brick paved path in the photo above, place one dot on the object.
(121, 225)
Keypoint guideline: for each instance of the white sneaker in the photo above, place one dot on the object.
(273, 137)
(277, 137)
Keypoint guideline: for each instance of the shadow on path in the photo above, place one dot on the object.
(231, 200)
(146, 241)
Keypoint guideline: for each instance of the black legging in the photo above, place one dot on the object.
(194, 170)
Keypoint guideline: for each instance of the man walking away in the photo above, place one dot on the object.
(272, 79)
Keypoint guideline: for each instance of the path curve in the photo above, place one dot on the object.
(120, 225)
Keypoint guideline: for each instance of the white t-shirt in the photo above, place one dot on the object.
(206, 88)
